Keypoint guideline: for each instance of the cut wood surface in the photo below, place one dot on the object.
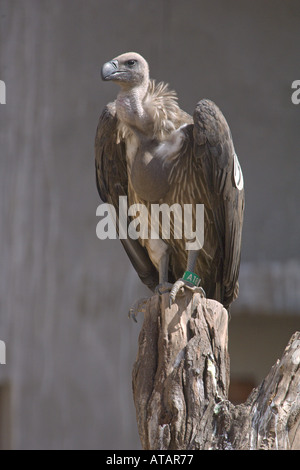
(181, 380)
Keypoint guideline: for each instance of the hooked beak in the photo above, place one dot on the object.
(109, 69)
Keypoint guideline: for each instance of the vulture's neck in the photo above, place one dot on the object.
(131, 110)
(151, 113)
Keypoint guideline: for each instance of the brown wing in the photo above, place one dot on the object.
(112, 182)
(214, 151)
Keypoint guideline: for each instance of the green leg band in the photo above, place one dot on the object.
(192, 278)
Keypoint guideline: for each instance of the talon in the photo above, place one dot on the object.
(137, 308)
(163, 288)
(132, 315)
(201, 291)
(196, 290)
(174, 291)
(181, 284)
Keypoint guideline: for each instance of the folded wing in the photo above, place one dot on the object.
(112, 182)
(214, 152)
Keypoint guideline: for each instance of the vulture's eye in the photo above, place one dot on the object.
(131, 62)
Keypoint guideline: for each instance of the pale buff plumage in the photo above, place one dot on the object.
(162, 105)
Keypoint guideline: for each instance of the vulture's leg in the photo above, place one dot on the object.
(163, 270)
(181, 283)
(158, 251)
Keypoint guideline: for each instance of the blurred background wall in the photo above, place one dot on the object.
(64, 294)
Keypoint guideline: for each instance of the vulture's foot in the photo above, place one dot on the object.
(137, 307)
(163, 288)
(180, 285)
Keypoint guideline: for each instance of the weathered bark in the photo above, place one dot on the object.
(181, 380)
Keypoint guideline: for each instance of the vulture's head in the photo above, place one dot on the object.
(127, 70)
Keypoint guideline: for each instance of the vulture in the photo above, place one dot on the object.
(152, 152)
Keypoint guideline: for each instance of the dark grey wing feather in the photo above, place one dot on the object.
(112, 182)
(214, 152)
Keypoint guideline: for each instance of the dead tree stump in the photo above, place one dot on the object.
(181, 380)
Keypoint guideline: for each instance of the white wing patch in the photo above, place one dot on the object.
(131, 148)
(237, 172)
(171, 145)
